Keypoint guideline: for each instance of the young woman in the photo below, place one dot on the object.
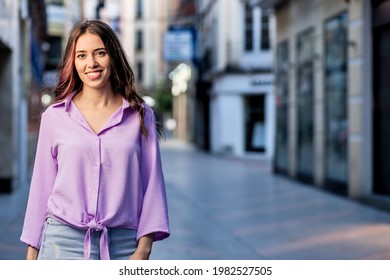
(97, 190)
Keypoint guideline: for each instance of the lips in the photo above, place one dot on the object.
(94, 74)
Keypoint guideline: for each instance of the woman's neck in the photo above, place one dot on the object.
(96, 98)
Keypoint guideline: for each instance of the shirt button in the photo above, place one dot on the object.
(97, 138)
(94, 191)
(96, 163)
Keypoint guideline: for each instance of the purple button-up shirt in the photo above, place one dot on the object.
(93, 181)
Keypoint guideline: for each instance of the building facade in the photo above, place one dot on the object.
(331, 104)
(235, 72)
(22, 30)
(179, 56)
(12, 103)
(144, 23)
(61, 16)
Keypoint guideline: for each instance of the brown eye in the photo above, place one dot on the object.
(101, 53)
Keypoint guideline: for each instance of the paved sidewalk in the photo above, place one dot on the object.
(237, 209)
(227, 208)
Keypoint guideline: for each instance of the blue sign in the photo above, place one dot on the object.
(179, 45)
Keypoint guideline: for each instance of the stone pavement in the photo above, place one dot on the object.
(227, 208)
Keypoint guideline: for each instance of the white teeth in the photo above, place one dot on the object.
(93, 74)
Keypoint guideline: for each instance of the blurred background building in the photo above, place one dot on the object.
(235, 85)
(331, 87)
(61, 15)
(11, 94)
(144, 24)
(22, 31)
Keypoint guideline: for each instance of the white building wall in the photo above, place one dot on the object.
(221, 31)
(227, 124)
(228, 112)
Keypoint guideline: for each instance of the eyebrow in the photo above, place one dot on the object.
(99, 49)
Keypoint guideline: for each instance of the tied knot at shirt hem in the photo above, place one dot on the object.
(103, 241)
(93, 225)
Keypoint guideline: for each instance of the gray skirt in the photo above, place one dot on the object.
(62, 242)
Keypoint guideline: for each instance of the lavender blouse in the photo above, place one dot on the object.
(94, 181)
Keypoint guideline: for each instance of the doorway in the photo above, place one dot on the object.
(255, 127)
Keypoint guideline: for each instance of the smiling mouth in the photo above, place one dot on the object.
(94, 74)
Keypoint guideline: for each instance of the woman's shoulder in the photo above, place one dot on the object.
(52, 111)
(149, 112)
(147, 108)
(60, 105)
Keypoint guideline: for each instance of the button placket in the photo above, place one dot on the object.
(96, 168)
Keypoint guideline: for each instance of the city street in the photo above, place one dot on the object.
(227, 208)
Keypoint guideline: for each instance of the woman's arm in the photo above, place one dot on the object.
(144, 248)
(154, 212)
(42, 181)
(32, 253)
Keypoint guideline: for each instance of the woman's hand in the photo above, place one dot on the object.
(32, 253)
(138, 255)
(144, 248)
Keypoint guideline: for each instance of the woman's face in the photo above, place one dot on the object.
(92, 62)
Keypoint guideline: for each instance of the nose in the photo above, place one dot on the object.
(92, 62)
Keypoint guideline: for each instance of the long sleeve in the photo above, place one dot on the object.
(44, 174)
(154, 213)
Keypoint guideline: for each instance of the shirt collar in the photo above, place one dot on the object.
(125, 104)
(66, 101)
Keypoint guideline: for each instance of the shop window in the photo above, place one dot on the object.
(265, 43)
(248, 26)
(139, 41)
(53, 53)
(55, 2)
(282, 92)
(336, 122)
(140, 71)
(139, 9)
(305, 90)
(380, 98)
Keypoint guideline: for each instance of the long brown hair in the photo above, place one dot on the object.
(122, 76)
